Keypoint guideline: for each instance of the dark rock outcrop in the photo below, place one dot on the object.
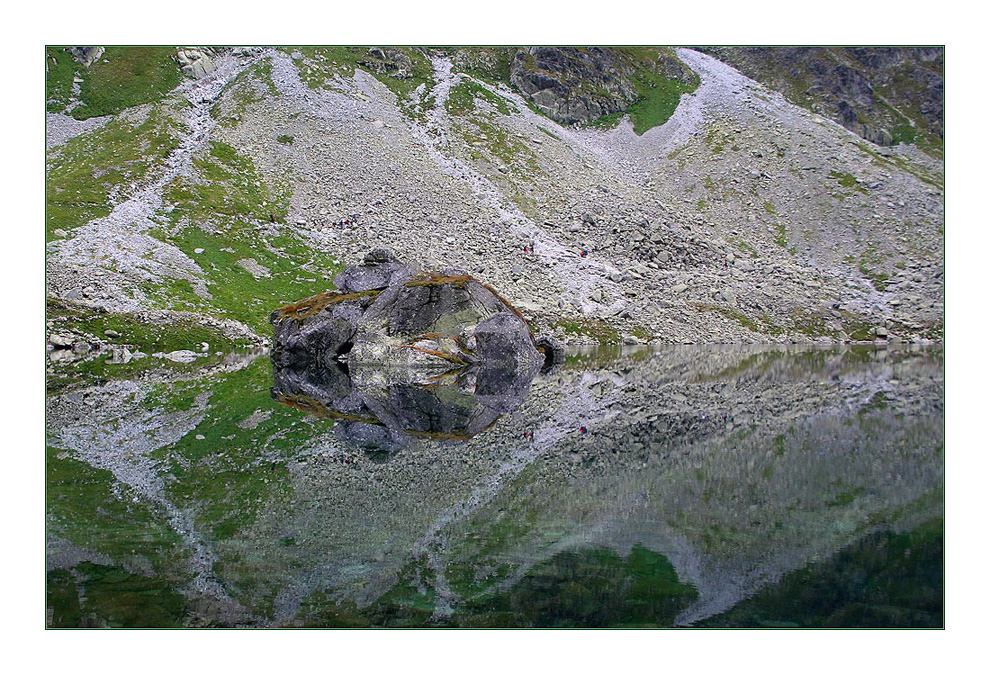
(884, 94)
(388, 60)
(577, 85)
(383, 315)
(570, 84)
(394, 356)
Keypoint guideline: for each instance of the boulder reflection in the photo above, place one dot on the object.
(382, 410)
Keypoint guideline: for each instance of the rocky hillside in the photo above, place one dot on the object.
(610, 194)
(887, 95)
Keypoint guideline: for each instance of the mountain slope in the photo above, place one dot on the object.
(742, 218)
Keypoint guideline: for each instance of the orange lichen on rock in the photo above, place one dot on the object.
(507, 304)
(433, 279)
(316, 303)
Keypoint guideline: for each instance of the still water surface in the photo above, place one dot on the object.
(681, 487)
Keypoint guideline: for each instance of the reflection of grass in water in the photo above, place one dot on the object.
(886, 580)
(409, 603)
(591, 587)
(112, 597)
(86, 506)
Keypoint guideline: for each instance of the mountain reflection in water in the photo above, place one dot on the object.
(688, 486)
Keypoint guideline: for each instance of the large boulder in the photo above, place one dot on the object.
(393, 356)
(385, 316)
(195, 62)
(379, 269)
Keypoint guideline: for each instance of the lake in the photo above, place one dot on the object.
(683, 486)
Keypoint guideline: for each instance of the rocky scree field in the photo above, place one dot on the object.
(619, 195)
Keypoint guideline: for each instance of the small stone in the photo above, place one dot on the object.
(60, 340)
(198, 250)
(181, 356)
(200, 437)
(110, 332)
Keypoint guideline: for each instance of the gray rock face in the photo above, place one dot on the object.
(384, 316)
(86, 55)
(391, 60)
(379, 270)
(869, 90)
(195, 62)
(576, 85)
(571, 85)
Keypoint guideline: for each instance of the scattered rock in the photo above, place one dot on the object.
(181, 356)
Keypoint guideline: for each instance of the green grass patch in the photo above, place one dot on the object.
(898, 162)
(847, 180)
(904, 133)
(320, 65)
(491, 64)
(250, 266)
(744, 247)
(813, 323)
(463, 95)
(481, 137)
(295, 271)
(135, 333)
(781, 236)
(82, 173)
(596, 329)
(228, 194)
(251, 86)
(877, 278)
(659, 94)
(716, 139)
(762, 324)
(122, 78)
